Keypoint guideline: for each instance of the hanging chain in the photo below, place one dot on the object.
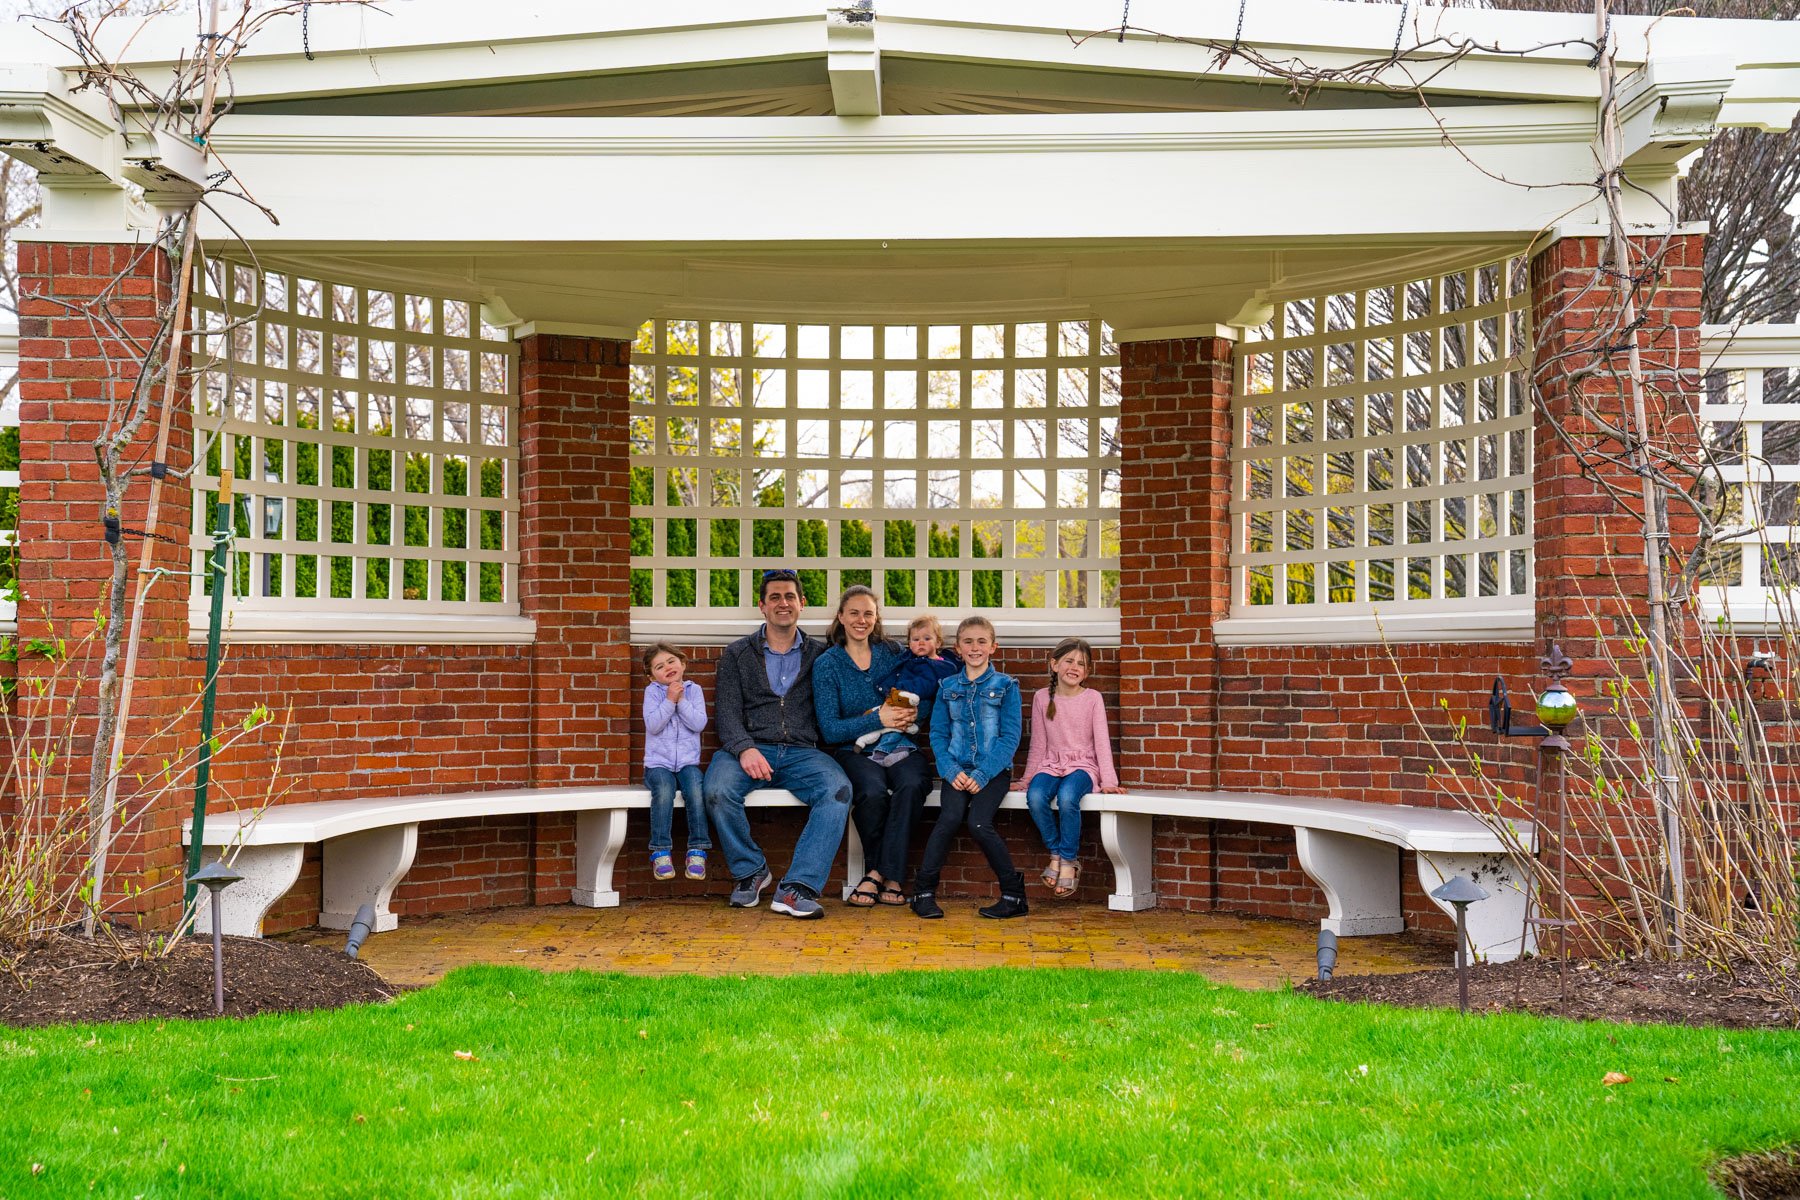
(306, 29)
(1400, 29)
(1125, 20)
(1237, 36)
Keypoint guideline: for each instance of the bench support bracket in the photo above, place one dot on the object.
(1497, 929)
(268, 871)
(1126, 837)
(364, 868)
(1359, 876)
(599, 836)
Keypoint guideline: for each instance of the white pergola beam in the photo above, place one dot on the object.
(853, 60)
(1669, 108)
(806, 180)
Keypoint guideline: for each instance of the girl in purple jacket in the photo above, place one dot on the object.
(674, 715)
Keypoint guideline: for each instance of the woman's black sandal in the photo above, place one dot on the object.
(861, 899)
(892, 894)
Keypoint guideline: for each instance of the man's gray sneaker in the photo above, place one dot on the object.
(796, 903)
(747, 893)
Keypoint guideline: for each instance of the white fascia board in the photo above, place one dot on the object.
(438, 180)
(366, 50)
(446, 24)
(1364, 31)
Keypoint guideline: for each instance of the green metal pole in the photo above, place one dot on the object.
(219, 564)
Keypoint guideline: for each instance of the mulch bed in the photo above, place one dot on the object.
(68, 979)
(1630, 991)
(1774, 1175)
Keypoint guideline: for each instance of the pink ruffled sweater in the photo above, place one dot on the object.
(1076, 741)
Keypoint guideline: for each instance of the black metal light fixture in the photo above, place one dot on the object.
(1460, 893)
(215, 877)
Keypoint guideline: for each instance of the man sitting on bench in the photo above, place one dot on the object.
(769, 737)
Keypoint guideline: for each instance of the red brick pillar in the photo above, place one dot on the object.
(1591, 575)
(575, 576)
(1175, 543)
(77, 305)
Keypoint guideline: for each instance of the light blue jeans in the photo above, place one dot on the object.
(1061, 829)
(816, 782)
(662, 783)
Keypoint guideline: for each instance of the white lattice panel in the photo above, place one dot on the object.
(1382, 451)
(374, 439)
(959, 467)
(1751, 410)
(9, 472)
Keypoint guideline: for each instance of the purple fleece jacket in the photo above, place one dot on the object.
(672, 731)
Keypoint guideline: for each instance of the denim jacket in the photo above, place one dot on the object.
(975, 725)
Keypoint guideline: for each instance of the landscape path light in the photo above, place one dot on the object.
(1461, 893)
(215, 877)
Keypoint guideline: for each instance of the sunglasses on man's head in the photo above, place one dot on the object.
(781, 573)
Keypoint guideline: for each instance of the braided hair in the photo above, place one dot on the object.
(1066, 646)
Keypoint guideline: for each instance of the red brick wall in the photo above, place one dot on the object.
(1592, 577)
(1175, 552)
(575, 540)
(78, 303)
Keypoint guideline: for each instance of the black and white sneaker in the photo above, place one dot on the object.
(747, 893)
(796, 903)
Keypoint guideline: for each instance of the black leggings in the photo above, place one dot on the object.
(885, 803)
(979, 810)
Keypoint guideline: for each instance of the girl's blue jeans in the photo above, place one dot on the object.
(1060, 829)
(662, 783)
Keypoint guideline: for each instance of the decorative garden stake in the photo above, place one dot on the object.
(219, 566)
(1461, 893)
(215, 877)
(1557, 709)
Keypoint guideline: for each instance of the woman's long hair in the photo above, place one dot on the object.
(1063, 647)
(836, 636)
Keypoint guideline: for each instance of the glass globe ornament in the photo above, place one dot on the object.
(1556, 708)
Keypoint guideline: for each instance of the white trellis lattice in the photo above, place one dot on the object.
(952, 467)
(9, 473)
(373, 436)
(1382, 452)
(1752, 423)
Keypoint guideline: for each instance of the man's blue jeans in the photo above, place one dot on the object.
(816, 782)
(662, 783)
(1061, 830)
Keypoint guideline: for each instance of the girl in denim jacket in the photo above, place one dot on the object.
(975, 729)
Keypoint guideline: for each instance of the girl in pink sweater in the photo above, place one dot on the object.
(1070, 756)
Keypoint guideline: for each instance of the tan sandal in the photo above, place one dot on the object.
(1052, 873)
(1067, 879)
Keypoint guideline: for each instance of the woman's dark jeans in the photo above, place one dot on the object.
(885, 803)
(979, 809)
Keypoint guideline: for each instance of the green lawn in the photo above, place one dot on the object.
(1044, 1082)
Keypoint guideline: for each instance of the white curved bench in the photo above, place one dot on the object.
(1349, 848)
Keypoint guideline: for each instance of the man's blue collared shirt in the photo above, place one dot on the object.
(783, 669)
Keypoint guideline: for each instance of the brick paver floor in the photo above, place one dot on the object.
(704, 937)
